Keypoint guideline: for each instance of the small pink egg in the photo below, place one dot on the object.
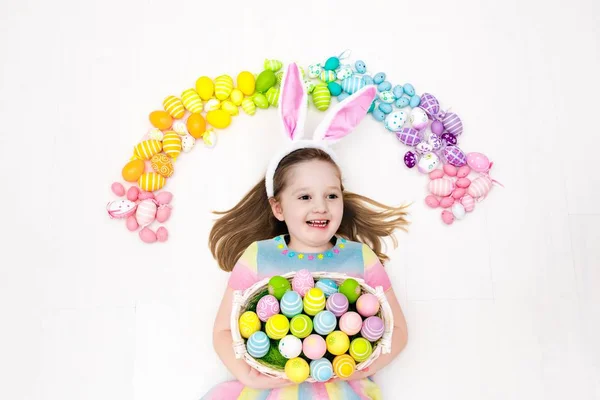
(164, 197)
(147, 235)
(145, 195)
(450, 170)
(133, 193)
(351, 323)
(468, 202)
(463, 183)
(132, 224)
(367, 305)
(163, 214)
(314, 346)
(447, 202)
(118, 189)
(432, 201)
(463, 171)
(447, 217)
(162, 234)
(459, 193)
(436, 174)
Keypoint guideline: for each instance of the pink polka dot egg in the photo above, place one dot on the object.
(367, 305)
(351, 323)
(267, 307)
(302, 282)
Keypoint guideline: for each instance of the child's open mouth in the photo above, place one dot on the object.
(318, 223)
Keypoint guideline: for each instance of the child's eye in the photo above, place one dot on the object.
(333, 196)
(305, 197)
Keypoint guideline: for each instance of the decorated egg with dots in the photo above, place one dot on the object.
(343, 73)
(428, 162)
(290, 346)
(379, 77)
(249, 323)
(402, 102)
(314, 70)
(291, 304)
(338, 304)
(410, 159)
(419, 118)
(478, 162)
(351, 323)
(384, 87)
(409, 89)
(267, 307)
(301, 326)
(344, 366)
(121, 208)
(303, 281)
(337, 342)
(360, 67)
(314, 301)
(367, 305)
(258, 344)
(395, 120)
(372, 328)
(398, 91)
(297, 370)
(314, 347)
(328, 286)
(351, 289)
(187, 143)
(415, 101)
(361, 349)
(324, 322)
(378, 115)
(277, 326)
(387, 97)
(278, 285)
(321, 370)
(449, 138)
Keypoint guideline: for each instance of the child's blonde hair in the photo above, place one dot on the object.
(364, 220)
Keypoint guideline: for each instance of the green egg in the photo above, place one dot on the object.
(265, 81)
(351, 289)
(260, 100)
(278, 285)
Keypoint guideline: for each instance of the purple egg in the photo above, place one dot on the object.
(449, 138)
(437, 127)
(338, 304)
(453, 124)
(410, 159)
(454, 156)
(409, 136)
(435, 142)
(372, 328)
(430, 104)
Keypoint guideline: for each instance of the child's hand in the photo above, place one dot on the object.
(256, 380)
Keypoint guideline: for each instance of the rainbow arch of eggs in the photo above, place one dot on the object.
(310, 328)
(458, 180)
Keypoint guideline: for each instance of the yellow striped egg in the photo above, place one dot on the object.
(248, 106)
(277, 326)
(172, 144)
(246, 82)
(174, 107)
(273, 96)
(321, 97)
(205, 87)
(146, 149)
(344, 366)
(223, 87)
(229, 107)
(191, 101)
(327, 76)
(161, 164)
(314, 301)
(151, 181)
(273, 65)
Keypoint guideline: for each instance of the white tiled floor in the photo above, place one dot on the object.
(502, 305)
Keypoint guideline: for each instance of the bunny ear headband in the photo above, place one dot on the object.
(339, 122)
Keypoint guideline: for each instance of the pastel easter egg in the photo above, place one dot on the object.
(338, 304)
(290, 346)
(351, 289)
(463, 171)
(248, 106)
(161, 119)
(419, 118)
(328, 286)
(402, 102)
(278, 286)
(131, 223)
(435, 141)
(314, 70)
(324, 322)
(209, 138)
(431, 105)
(172, 144)
(237, 97)
(409, 136)
(432, 201)
(478, 162)
(378, 115)
(361, 349)
(321, 97)
(302, 282)
(132, 193)
(360, 67)
(337, 343)
(353, 84)
(449, 138)
(164, 197)
(156, 134)
(415, 101)
(386, 97)
(384, 87)
(468, 203)
(327, 76)
(179, 127)
(291, 304)
(309, 86)
(447, 217)
(458, 193)
(191, 101)
(260, 100)
(301, 326)
(480, 187)
(146, 212)
(450, 170)
(427, 163)
(162, 164)
(454, 156)
(395, 120)
(121, 208)
(147, 148)
(258, 344)
(314, 301)
(385, 108)
(229, 108)
(379, 77)
(267, 307)
(248, 324)
(273, 65)
(147, 235)
(118, 189)
(343, 73)
(436, 174)
(297, 370)
(351, 323)
(246, 82)
(174, 107)
(344, 366)
(273, 96)
(332, 63)
(334, 88)
(409, 89)
(196, 125)
(265, 81)
(187, 143)
(424, 148)
(223, 87)
(367, 305)
(321, 370)
(218, 118)
(441, 187)
(372, 328)
(437, 127)
(162, 235)
(151, 181)
(314, 347)
(446, 202)
(458, 210)
(398, 91)
(205, 87)
(453, 124)
(163, 214)
(212, 104)
(463, 182)
(277, 326)
(143, 195)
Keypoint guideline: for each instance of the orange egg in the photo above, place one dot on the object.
(133, 170)
(196, 125)
(161, 119)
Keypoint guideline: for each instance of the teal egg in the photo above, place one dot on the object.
(402, 102)
(415, 101)
(291, 304)
(328, 286)
(334, 88)
(258, 344)
(321, 370)
(409, 89)
(385, 108)
(378, 115)
(324, 322)
(384, 86)
(332, 63)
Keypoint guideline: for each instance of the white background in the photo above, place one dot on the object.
(503, 304)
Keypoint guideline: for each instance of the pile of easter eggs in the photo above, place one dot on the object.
(310, 328)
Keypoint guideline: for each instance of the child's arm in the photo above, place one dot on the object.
(223, 344)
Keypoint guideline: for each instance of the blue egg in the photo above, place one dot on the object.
(321, 370)
(360, 66)
(398, 91)
(328, 286)
(415, 101)
(334, 88)
(332, 63)
(367, 80)
(378, 115)
(409, 89)
(402, 102)
(379, 77)
(383, 86)
(258, 344)
(343, 96)
(385, 108)
(324, 322)
(291, 304)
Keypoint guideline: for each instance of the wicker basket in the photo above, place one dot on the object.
(241, 300)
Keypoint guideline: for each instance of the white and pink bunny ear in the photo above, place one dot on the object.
(346, 115)
(292, 103)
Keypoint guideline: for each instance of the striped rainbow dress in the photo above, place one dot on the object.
(272, 257)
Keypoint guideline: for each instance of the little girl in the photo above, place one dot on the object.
(301, 217)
